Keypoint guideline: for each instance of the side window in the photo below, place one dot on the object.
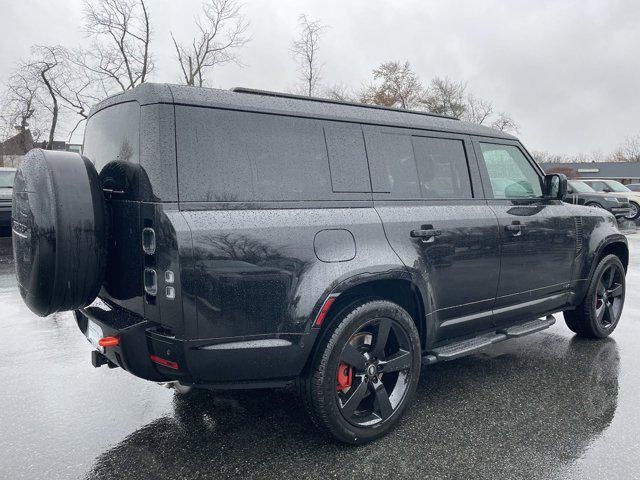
(599, 186)
(230, 156)
(442, 168)
(347, 158)
(392, 163)
(510, 173)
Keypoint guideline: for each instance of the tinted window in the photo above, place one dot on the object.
(112, 135)
(239, 156)
(442, 168)
(597, 185)
(510, 173)
(347, 158)
(392, 163)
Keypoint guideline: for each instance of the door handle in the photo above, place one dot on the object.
(426, 233)
(515, 228)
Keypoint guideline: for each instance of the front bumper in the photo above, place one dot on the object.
(220, 363)
(620, 211)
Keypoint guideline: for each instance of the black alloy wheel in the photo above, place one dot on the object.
(377, 360)
(599, 313)
(364, 372)
(608, 296)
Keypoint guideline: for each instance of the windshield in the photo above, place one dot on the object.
(617, 186)
(580, 187)
(6, 179)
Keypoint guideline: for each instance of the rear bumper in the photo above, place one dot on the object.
(221, 363)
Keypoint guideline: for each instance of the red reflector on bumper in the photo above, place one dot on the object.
(109, 342)
(323, 311)
(164, 362)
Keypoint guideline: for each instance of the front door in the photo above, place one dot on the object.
(428, 194)
(537, 234)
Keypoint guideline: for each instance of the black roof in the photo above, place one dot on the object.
(293, 105)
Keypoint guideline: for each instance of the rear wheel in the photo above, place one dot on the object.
(365, 372)
(598, 314)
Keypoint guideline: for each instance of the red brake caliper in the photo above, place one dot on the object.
(345, 376)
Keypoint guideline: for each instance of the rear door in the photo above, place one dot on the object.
(537, 234)
(427, 191)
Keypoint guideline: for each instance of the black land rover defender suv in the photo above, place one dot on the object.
(238, 239)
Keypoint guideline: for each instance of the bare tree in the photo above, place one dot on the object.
(446, 97)
(77, 90)
(20, 106)
(541, 156)
(477, 110)
(222, 32)
(340, 92)
(305, 51)
(395, 85)
(45, 67)
(120, 57)
(629, 151)
(505, 123)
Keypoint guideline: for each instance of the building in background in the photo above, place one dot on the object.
(625, 172)
(13, 150)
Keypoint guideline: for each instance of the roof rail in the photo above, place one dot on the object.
(267, 93)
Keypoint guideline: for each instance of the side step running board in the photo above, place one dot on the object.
(470, 345)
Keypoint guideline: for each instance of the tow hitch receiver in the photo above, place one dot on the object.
(98, 359)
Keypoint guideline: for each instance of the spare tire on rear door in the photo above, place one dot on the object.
(59, 231)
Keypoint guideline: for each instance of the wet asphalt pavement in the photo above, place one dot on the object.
(546, 406)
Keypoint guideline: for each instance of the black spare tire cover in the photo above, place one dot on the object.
(59, 231)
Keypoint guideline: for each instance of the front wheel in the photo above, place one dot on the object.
(634, 211)
(599, 313)
(365, 372)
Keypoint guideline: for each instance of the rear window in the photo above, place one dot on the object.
(112, 134)
(112, 143)
(227, 156)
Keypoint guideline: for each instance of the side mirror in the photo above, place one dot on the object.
(607, 190)
(555, 186)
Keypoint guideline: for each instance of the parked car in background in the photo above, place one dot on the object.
(634, 187)
(6, 189)
(249, 239)
(613, 186)
(579, 193)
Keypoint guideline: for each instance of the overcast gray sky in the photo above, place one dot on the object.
(567, 71)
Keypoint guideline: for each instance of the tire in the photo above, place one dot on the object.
(59, 231)
(383, 382)
(633, 215)
(594, 204)
(599, 313)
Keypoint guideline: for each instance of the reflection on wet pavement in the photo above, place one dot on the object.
(545, 406)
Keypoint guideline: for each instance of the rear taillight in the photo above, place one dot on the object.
(149, 241)
(150, 281)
